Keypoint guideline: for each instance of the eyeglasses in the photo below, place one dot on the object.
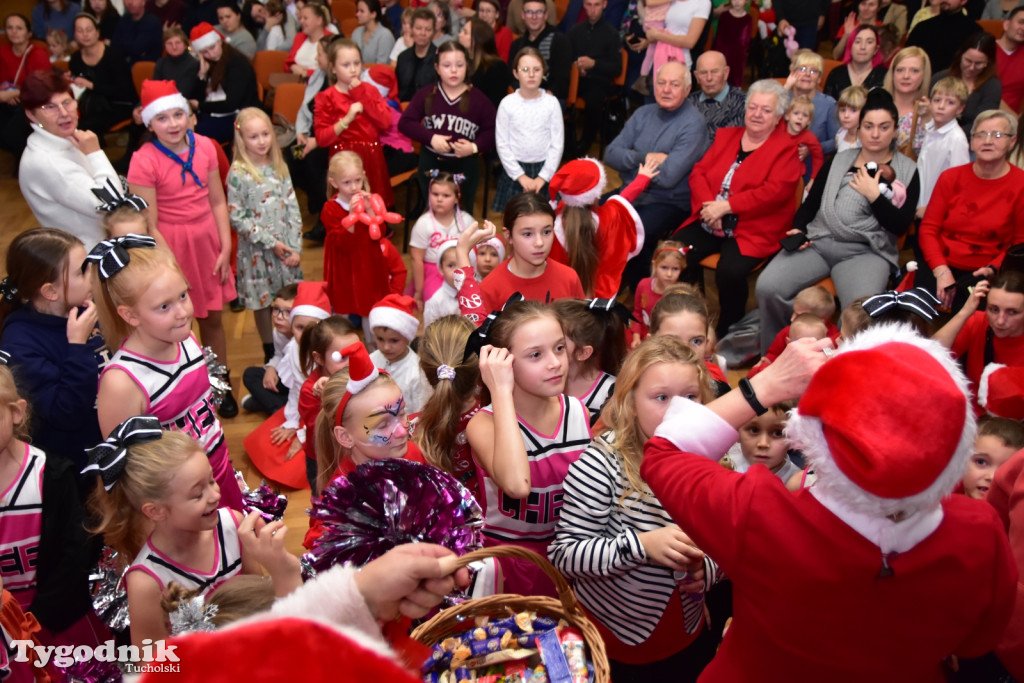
(989, 134)
(69, 106)
(530, 70)
(533, 12)
(281, 312)
(809, 70)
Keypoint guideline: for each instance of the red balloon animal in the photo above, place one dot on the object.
(372, 216)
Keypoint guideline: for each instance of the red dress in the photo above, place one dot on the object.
(1005, 496)
(362, 136)
(356, 273)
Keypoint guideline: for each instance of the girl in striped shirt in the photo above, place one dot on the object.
(634, 571)
(525, 437)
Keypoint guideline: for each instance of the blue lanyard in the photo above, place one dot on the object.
(186, 166)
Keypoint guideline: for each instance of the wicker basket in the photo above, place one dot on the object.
(454, 620)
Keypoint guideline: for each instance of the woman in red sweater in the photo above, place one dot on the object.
(975, 214)
(742, 194)
(18, 58)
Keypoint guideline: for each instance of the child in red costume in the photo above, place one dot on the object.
(596, 240)
(880, 547)
(355, 269)
(351, 115)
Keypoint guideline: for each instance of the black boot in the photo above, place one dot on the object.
(228, 407)
(316, 234)
(268, 352)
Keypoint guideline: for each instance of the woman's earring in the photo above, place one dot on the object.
(41, 126)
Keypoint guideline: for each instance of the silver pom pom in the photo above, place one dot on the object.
(193, 615)
(109, 598)
(219, 386)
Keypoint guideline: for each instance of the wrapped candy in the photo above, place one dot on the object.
(270, 504)
(109, 597)
(385, 503)
(218, 372)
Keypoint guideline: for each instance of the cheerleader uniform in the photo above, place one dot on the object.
(178, 394)
(530, 522)
(228, 562)
(21, 513)
(599, 392)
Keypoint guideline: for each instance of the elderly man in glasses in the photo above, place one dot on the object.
(553, 46)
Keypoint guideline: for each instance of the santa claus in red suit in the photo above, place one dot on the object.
(874, 573)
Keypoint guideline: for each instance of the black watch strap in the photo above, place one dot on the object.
(747, 389)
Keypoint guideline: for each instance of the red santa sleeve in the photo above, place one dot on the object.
(471, 298)
(710, 503)
(620, 237)
(635, 188)
(778, 344)
(814, 148)
(309, 408)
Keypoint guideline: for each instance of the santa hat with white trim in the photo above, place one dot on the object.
(312, 300)
(158, 97)
(396, 312)
(580, 182)
(886, 423)
(1001, 391)
(495, 243)
(204, 35)
(361, 374)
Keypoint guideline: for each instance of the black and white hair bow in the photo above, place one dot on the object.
(5, 358)
(110, 256)
(611, 306)
(114, 197)
(108, 458)
(917, 300)
(482, 336)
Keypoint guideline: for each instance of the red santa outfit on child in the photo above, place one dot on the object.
(355, 268)
(862, 576)
(618, 230)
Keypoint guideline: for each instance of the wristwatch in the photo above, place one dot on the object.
(747, 389)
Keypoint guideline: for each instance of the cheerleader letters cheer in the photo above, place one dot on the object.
(66, 655)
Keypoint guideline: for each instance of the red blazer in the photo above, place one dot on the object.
(763, 189)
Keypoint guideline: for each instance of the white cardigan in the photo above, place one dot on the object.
(56, 180)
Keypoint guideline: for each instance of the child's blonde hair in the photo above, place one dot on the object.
(619, 414)
(9, 396)
(817, 300)
(242, 161)
(148, 470)
(125, 287)
(121, 215)
(668, 249)
(341, 161)
(951, 85)
(237, 598)
(444, 343)
(803, 102)
(854, 97)
(328, 451)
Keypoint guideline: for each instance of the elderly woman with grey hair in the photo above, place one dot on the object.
(743, 196)
(850, 222)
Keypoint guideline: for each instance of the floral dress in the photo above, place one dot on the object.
(263, 211)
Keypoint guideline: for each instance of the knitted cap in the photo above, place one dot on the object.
(160, 96)
(396, 312)
(580, 182)
(203, 36)
(312, 300)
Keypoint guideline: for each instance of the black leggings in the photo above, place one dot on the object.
(730, 274)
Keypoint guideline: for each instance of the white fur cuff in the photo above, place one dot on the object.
(694, 428)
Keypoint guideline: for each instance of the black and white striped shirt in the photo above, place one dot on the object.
(597, 545)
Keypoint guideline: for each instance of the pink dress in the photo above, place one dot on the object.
(185, 220)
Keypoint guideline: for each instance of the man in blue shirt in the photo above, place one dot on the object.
(139, 34)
